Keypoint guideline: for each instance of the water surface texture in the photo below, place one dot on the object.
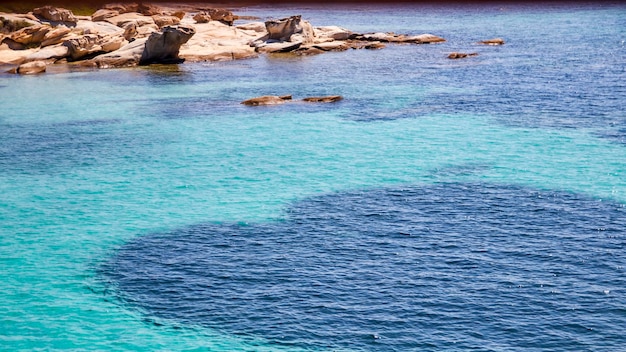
(443, 204)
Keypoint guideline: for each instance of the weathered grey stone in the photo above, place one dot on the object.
(163, 47)
(284, 28)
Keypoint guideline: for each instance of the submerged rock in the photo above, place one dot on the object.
(324, 99)
(267, 100)
(456, 55)
(494, 41)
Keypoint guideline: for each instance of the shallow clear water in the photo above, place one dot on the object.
(510, 165)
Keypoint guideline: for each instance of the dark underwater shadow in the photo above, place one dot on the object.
(446, 266)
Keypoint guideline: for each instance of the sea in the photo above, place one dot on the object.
(442, 205)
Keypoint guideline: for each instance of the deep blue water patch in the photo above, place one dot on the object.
(448, 266)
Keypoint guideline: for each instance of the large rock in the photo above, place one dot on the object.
(122, 7)
(284, 28)
(142, 8)
(103, 14)
(90, 45)
(30, 36)
(104, 28)
(55, 36)
(215, 41)
(130, 17)
(127, 55)
(31, 68)
(165, 20)
(148, 9)
(400, 38)
(14, 57)
(10, 23)
(55, 14)
(49, 54)
(333, 33)
(164, 46)
(221, 15)
(278, 47)
(286, 35)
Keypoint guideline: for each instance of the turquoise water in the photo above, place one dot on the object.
(91, 161)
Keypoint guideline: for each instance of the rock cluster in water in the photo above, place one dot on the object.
(120, 35)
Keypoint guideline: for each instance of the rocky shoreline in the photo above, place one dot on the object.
(122, 35)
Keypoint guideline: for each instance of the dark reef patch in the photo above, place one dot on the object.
(447, 266)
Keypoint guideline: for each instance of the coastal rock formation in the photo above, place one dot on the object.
(132, 34)
(55, 14)
(494, 41)
(456, 55)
